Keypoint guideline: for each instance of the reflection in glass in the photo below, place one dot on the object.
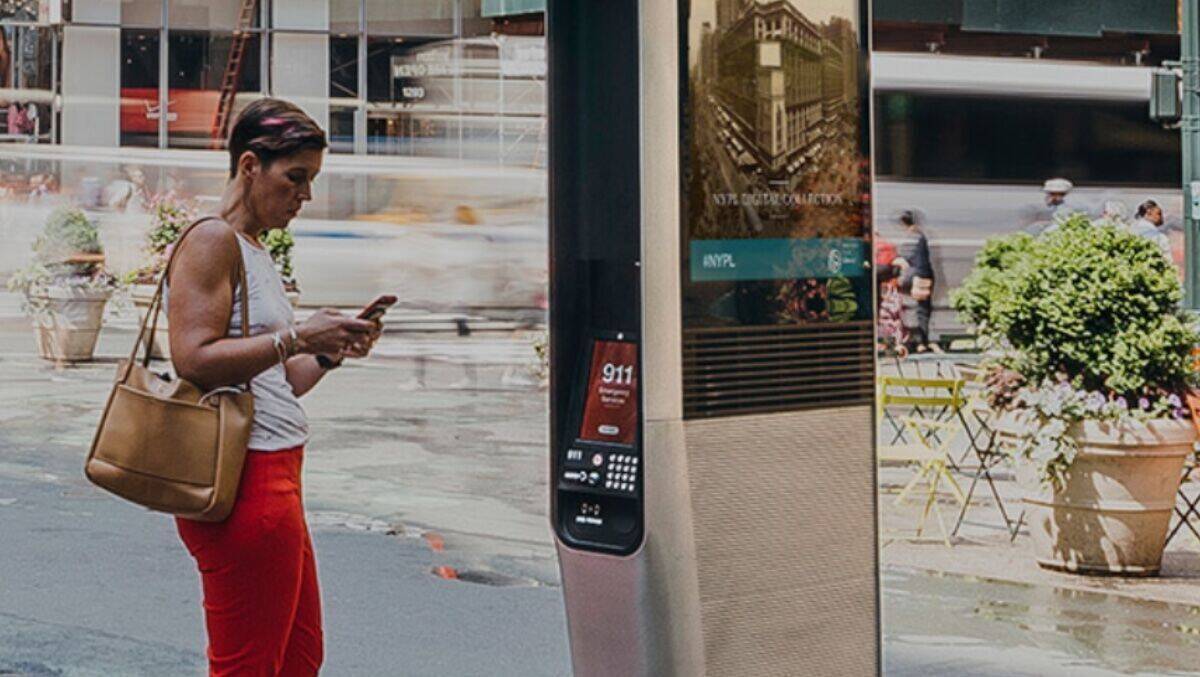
(26, 59)
(133, 13)
(476, 99)
(139, 88)
(219, 15)
(200, 65)
(474, 24)
(341, 129)
(344, 16)
(411, 17)
(1025, 140)
(343, 68)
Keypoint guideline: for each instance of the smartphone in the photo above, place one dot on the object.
(377, 308)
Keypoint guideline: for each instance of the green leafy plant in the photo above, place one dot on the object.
(986, 282)
(279, 243)
(168, 219)
(67, 234)
(67, 253)
(1086, 320)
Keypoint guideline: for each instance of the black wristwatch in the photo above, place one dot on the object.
(327, 364)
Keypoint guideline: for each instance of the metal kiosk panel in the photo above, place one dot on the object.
(709, 193)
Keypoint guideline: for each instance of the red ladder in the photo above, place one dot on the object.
(233, 73)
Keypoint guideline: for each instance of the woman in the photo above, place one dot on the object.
(1149, 225)
(917, 280)
(261, 600)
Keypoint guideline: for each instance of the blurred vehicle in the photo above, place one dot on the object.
(969, 141)
(443, 236)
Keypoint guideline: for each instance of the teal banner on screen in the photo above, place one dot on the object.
(776, 259)
(493, 8)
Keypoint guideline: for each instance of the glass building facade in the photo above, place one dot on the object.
(435, 111)
(457, 79)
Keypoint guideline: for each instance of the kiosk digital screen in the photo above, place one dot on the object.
(610, 410)
(776, 178)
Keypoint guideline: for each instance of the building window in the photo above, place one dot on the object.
(139, 88)
(410, 17)
(341, 129)
(134, 13)
(957, 138)
(199, 63)
(344, 17)
(343, 68)
(213, 15)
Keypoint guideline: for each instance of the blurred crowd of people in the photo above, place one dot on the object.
(906, 273)
(1147, 221)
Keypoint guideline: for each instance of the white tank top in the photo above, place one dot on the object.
(279, 419)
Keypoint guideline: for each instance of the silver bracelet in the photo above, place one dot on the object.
(295, 345)
(280, 349)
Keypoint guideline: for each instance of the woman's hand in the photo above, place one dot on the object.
(362, 347)
(330, 332)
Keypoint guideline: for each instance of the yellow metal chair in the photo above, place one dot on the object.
(931, 458)
(926, 398)
(979, 424)
(932, 427)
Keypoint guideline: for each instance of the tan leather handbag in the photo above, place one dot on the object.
(164, 443)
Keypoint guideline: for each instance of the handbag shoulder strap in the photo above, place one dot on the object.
(151, 318)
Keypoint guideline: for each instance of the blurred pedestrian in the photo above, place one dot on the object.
(1149, 225)
(1115, 213)
(1055, 206)
(1057, 191)
(261, 596)
(917, 281)
(17, 120)
(888, 268)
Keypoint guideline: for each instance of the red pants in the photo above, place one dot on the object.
(262, 603)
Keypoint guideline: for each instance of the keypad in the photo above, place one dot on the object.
(622, 472)
(602, 469)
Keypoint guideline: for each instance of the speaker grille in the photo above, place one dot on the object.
(745, 370)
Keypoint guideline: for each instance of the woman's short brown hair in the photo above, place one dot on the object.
(271, 129)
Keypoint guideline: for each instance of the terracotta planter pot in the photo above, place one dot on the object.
(143, 294)
(67, 331)
(1112, 514)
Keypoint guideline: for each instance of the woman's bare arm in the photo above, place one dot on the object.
(203, 277)
(202, 281)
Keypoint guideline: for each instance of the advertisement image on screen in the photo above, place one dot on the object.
(610, 411)
(776, 178)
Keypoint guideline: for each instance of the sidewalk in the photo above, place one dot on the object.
(982, 549)
(425, 489)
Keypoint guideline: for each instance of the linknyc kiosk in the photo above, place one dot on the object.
(712, 474)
